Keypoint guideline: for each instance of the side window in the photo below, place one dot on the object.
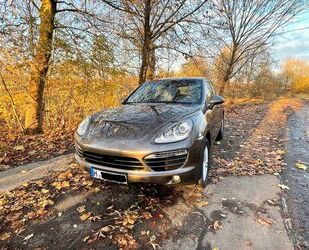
(208, 91)
(211, 88)
(213, 92)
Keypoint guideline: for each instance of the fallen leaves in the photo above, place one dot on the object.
(283, 187)
(85, 216)
(256, 139)
(126, 240)
(301, 166)
(196, 198)
(217, 225)
(130, 218)
(28, 237)
(5, 236)
(21, 149)
(60, 185)
(264, 219)
(35, 200)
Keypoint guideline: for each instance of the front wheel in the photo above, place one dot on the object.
(221, 132)
(205, 164)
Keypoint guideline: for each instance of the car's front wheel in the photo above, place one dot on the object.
(221, 132)
(205, 163)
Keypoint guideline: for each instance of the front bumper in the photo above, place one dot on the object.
(187, 173)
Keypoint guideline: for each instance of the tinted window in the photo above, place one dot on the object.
(169, 91)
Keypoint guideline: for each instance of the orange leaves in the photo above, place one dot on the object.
(264, 219)
(20, 149)
(65, 175)
(127, 241)
(130, 218)
(5, 236)
(60, 185)
(85, 216)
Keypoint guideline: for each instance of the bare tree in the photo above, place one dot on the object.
(145, 23)
(240, 30)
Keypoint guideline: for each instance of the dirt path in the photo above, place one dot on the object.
(14, 177)
(297, 180)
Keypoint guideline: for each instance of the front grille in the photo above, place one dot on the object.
(167, 160)
(111, 161)
(79, 151)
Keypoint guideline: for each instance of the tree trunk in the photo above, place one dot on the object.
(228, 72)
(151, 63)
(39, 68)
(146, 43)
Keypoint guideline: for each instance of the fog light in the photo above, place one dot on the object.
(167, 154)
(176, 179)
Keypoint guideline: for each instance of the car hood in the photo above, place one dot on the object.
(134, 121)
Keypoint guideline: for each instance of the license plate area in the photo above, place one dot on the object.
(107, 176)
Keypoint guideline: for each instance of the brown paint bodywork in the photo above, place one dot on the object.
(130, 130)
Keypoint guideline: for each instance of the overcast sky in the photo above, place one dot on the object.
(294, 44)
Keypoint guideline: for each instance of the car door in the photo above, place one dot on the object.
(217, 111)
(210, 114)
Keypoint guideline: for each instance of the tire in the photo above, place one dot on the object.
(205, 163)
(221, 132)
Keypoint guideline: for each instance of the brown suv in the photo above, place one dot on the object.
(163, 134)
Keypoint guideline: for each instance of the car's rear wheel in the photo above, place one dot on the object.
(205, 163)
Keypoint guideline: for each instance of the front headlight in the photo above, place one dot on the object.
(83, 126)
(175, 132)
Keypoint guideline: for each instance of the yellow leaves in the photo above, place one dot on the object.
(25, 184)
(44, 191)
(281, 152)
(46, 203)
(85, 216)
(301, 166)
(65, 175)
(130, 218)
(146, 215)
(5, 236)
(19, 148)
(3, 201)
(202, 203)
(296, 72)
(61, 184)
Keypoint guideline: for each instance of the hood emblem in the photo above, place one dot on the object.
(111, 129)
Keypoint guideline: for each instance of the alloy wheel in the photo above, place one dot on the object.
(205, 164)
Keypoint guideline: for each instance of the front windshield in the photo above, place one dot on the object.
(187, 91)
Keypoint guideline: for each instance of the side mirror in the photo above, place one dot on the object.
(215, 100)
